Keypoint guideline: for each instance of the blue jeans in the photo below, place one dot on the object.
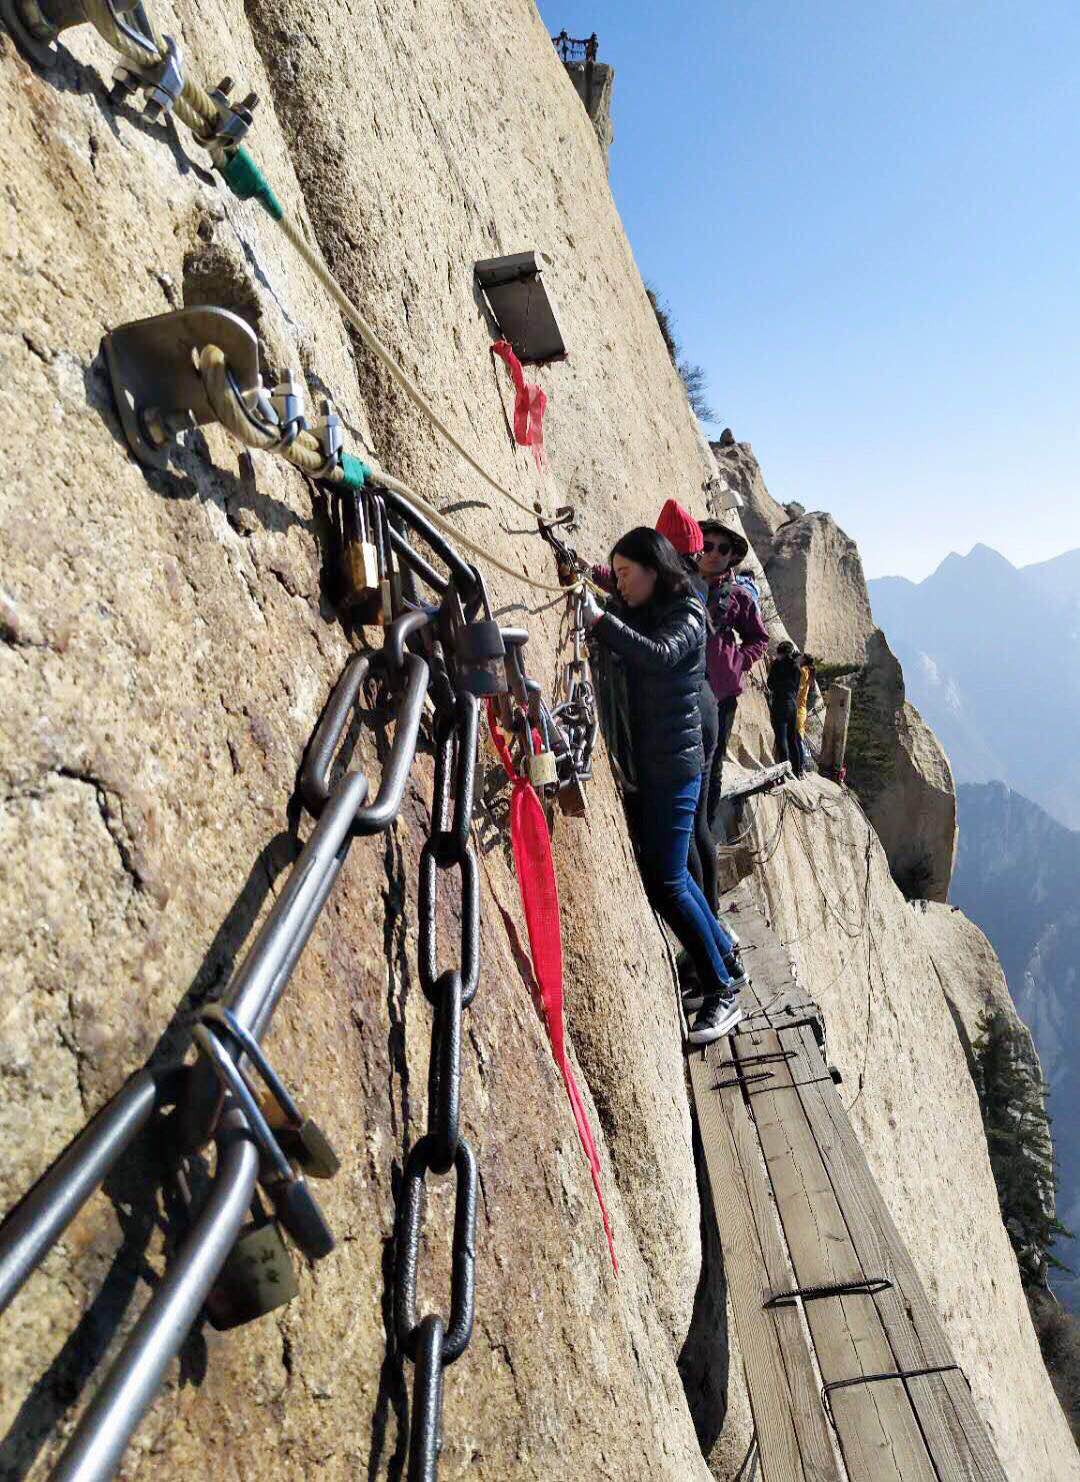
(664, 818)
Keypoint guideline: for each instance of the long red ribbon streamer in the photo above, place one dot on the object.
(540, 902)
(529, 403)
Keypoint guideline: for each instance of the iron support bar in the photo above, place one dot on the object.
(95, 1450)
(42, 1216)
(867, 1286)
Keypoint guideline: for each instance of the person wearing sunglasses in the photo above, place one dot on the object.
(738, 637)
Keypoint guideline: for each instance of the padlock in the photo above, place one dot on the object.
(300, 1138)
(389, 571)
(360, 561)
(541, 766)
(542, 769)
(572, 800)
(303, 1141)
(295, 1204)
(298, 1211)
(479, 650)
(257, 1276)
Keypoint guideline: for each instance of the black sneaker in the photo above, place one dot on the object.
(736, 969)
(695, 997)
(717, 1018)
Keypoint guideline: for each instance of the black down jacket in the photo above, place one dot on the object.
(663, 651)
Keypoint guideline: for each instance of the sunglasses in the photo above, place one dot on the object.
(721, 547)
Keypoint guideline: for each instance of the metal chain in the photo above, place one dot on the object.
(433, 1342)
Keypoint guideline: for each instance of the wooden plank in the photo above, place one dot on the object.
(746, 1272)
(909, 1328)
(929, 1398)
(965, 1450)
(878, 1433)
(819, 1458)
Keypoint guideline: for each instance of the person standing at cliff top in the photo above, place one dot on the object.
(737, 640)
(656, 628)
(785, 678)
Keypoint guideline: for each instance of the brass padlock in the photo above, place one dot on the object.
(359, 560)
(389, 571)
(257, 1276)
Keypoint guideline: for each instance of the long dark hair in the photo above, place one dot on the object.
(649, 548)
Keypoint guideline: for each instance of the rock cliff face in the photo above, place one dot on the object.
(902, 776)
(1016, 871)
(817, 579)
(168, 645)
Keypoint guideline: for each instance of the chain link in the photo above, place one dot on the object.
(433, 1342)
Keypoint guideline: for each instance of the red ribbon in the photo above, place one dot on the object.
(529, 404)
(540, 902)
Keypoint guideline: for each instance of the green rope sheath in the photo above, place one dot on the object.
(248, 183)
(354, 472)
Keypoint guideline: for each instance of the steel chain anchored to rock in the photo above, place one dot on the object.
(454, 654)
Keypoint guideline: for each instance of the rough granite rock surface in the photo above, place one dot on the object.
(168, 648)
(168, 643)
(903, 777)
(817, 579)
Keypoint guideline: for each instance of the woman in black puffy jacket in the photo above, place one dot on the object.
(656, 628)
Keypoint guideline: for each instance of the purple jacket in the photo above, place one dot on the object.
(725, 660)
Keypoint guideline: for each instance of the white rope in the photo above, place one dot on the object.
(399, 376)
(306, 454)
(195, 108)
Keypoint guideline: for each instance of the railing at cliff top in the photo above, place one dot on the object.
(576, 49)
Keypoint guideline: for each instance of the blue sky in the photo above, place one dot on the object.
(865, 220)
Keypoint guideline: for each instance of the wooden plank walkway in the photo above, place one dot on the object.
(834, 1379)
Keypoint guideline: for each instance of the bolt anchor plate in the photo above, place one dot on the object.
(153, 367)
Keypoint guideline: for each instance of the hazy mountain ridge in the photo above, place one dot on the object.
(1016, 872)
(991, 658)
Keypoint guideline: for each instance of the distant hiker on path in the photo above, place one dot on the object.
(806, 684)
(738, 638)
(785, 680)
(656, 627)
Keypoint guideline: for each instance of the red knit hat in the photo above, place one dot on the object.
(680, 527)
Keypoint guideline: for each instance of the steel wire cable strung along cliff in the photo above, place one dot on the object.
(248, 1005)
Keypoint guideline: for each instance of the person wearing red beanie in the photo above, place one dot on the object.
(681, 529)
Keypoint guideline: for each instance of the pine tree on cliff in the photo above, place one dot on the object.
(1012, 1098)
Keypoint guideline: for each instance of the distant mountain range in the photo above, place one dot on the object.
(1016, 876)
(991, 659)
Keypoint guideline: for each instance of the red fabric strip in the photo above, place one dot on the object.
(529, 403)
(540, 902)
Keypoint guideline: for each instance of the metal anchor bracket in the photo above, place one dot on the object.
(153, 367)
(163, 81)
(34, 25)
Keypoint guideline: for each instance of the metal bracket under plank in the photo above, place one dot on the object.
(867, 1286)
